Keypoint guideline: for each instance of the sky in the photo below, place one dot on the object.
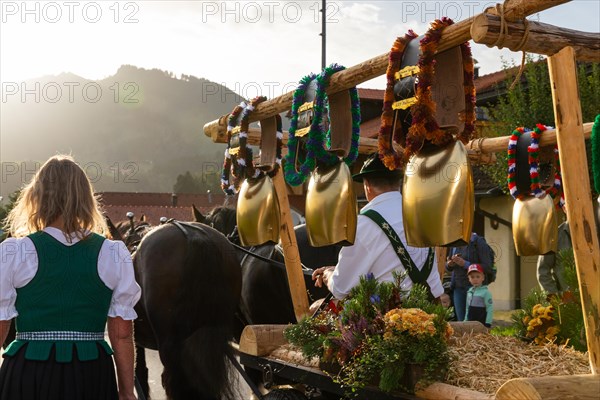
(252, 47)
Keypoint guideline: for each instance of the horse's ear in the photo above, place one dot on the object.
(112, 229)
(198, 217)
(143, 218)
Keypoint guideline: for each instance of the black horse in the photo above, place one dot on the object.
(265, 296)
(191, 282)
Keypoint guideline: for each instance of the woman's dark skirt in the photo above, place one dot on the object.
(22, 379)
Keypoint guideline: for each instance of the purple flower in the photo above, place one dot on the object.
(375, 299)
(370, 276)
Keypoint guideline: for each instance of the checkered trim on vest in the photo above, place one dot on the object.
(61, 335)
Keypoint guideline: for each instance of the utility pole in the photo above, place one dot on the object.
(323, 34)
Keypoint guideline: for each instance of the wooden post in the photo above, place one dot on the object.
(573, 161)
(440, 256)
(541, 38)
(291, 255)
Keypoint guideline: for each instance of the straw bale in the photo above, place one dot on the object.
(484, 362)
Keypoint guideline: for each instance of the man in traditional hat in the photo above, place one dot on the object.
(550, 268)
(380, 246)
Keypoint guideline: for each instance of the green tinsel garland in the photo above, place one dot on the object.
(596, 153)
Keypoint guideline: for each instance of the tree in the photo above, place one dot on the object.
(5, 209)
(531, 102)
(189, 183)
(186, 183)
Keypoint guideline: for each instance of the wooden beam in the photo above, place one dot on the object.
(452, 36)
(580, 213)
(443, 391)
(261, 340)
(517, 10)
(496, 144)
(541, 38)
(580, 387)
(475, 147)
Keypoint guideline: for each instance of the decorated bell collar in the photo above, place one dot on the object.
(331, 209)
(257, 212)
(534, 226)
(438, 199)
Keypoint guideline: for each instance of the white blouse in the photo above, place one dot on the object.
(19, 264)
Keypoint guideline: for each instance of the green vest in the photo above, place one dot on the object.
(65, 295)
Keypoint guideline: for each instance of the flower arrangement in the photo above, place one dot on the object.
(377, 336)
(553, 319)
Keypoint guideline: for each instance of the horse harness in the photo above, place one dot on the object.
(182, 225)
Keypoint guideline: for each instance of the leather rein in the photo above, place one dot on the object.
(182, 225)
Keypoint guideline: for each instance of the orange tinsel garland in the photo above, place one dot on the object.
(424, 127)
(390, 158)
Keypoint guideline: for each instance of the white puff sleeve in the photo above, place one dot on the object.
(115, 268)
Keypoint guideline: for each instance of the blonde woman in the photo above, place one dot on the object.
(62, 280)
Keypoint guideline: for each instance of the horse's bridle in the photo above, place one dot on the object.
(232, 236)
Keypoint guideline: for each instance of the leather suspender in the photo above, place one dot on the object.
(416, 275)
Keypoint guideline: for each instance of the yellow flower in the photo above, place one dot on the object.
(535, 322)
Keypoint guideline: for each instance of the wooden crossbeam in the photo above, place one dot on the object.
(452, 36)
(486, 146)
(541, 38)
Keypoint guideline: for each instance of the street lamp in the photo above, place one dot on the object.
(323, 33)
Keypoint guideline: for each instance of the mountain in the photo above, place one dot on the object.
(135, 131)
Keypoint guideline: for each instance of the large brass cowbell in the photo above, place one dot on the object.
(534, 220)
(535, 226)
(438, 197)
(331, 208)
(257, 211)
(438, 192)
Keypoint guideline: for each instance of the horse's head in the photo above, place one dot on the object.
(131, 232)
(221, 218)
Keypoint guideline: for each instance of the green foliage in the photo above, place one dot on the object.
(570, 316)
(546, 318)
(530, 103)
(370, 298)
(310, 334)
(5, 209)
(379, 335)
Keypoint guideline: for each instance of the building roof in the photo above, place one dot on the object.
(162, 199)
(370, 94)
(153, 214)
(370, 128)
(487, 82)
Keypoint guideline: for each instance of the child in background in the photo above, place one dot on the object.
(479, 299)
(446, 301)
